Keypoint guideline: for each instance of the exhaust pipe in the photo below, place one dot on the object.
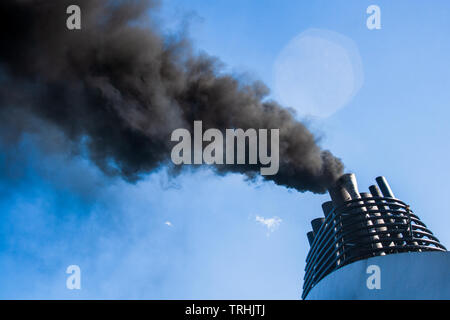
(317, 224)
(310, 236)
(370, 225)
(338, 194)
(387, 192)
(327, 208)
(351, 185)
(376, 193)
(385, 187)
(345, 189)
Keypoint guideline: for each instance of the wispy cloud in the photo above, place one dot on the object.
(168, 223)
(270, 223)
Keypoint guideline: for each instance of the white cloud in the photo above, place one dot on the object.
(270, 223)
(168, 223)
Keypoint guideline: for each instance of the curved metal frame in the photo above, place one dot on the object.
(353, 232)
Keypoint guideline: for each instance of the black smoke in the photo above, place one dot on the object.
(119, 87)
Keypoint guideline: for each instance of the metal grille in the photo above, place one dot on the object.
(364, 228)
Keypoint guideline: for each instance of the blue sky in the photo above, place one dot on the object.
(58, 210)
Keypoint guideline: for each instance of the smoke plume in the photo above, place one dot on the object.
(119, 87)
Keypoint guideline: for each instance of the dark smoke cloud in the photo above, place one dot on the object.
(118, 87)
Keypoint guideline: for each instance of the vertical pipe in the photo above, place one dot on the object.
(316, 224)
(370, 206)
(356, 218)
(387, 192)
(375, 212)
(310, 236)
(385, 187)
(327, 208)
(349, 183)
(393, 230)
(339, 196)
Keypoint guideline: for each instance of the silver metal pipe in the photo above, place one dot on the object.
(349, 183)
(376, 212)
(387, 192)
(385, 210)
(377, 244)
(385, 187)
(339, 196)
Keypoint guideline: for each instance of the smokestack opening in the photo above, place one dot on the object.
(317, 224)
(384, 187)
(327, 208)
(310, 236)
